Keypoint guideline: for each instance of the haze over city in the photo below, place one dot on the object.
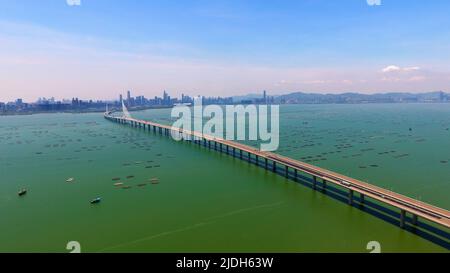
(221, 48)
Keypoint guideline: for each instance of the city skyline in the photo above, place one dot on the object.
(141, 102)
(221, 48)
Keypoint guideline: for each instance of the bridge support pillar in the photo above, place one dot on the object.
(295, 175)
(350, 197)
(415, 219)
(257, 160)
(362, 198)
(274, 166)
(234, 152)
(287, 171)
(314, 182)
(402, 218)
(240, 154)
(228, 148)
(266, 163)
(324, 185)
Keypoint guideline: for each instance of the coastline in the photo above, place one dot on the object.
(79, 111)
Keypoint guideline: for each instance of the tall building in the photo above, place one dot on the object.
(120, 98)
(265, 97)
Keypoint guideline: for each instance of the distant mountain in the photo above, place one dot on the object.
(238, 99)
(399, 97)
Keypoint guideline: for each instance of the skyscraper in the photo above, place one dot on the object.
(128, 96)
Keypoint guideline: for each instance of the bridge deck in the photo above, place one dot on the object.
(404, 203)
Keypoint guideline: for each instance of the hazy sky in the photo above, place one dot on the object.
(104, 47)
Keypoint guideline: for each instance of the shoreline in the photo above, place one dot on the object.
(76, 112)
(3, 114)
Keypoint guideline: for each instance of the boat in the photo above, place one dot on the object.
(118, 184)
(96, 200)
(22, 192)
(70, 179)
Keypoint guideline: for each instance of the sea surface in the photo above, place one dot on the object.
(178, 197)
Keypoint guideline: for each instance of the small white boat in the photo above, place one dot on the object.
(70, 179)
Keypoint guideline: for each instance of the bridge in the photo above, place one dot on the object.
(356, 191)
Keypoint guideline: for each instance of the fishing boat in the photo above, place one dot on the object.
(22, 192)
(70, 179)
(96, 200)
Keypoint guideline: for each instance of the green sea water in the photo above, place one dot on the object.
(211, 202)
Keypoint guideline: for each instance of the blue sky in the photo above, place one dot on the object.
(102, 47)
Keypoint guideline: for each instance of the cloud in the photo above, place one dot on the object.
(397, 74)
(73, 2)
(394, 68)
(373, 2)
